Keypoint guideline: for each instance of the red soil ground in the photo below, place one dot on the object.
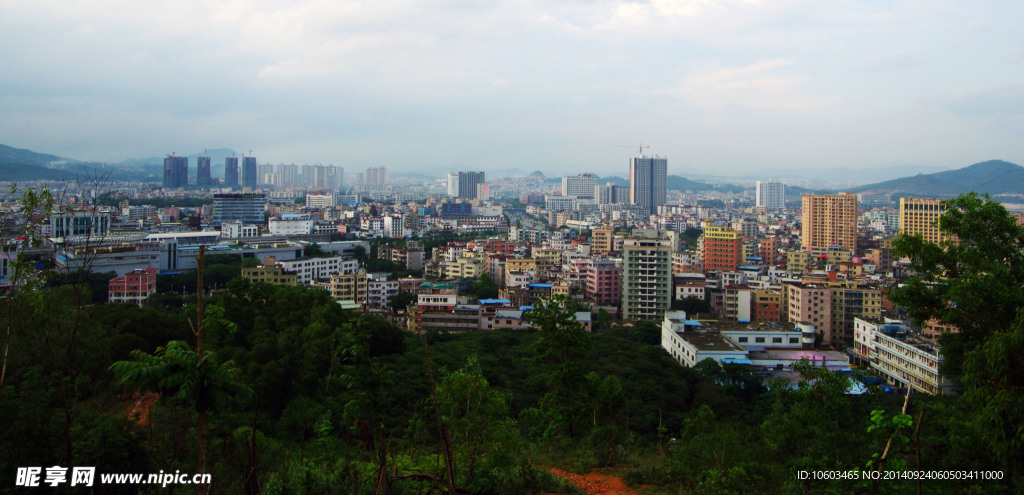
(141, 405)
(596, 483)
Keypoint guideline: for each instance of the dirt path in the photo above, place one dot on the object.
(595, 483)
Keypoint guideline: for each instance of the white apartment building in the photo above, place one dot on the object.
(320, 201)
(308, 270)
(239, 230)
(901, 357)
(771, 194)
(380, 290)
(291, 226)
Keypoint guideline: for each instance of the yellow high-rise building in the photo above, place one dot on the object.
(921, 216)
(829, 220)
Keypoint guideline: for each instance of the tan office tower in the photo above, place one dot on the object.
(829, 220)
(921, 216)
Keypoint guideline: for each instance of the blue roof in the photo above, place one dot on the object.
(541, 286)
(693, 323)
(755, 258)
(736, 360)
(750, 268)
(525, 308)
(495, 301)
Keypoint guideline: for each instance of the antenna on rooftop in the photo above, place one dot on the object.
(641, 146)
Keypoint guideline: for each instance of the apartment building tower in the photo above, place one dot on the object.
(231, 172)
(921, 216)
(829, 220)
(203, 178)
(723, 247)
(648, 182)
(771, 194)
(249, 173)
(646, 275)
(175, 171)
(464, 184)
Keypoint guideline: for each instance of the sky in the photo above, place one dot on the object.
(721, 87)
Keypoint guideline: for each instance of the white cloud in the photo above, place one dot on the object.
(758, 86)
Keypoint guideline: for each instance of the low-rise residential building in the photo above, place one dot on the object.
(133, 287)
(310, 269)
(900, 356)
(270, 272)
(349, 287)
(380, 289)
(689, 285)
(769, 347)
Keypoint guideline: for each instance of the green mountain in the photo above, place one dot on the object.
(27, 157)
(26, 165)
(27, 172)
(677, 183)
(993, 177)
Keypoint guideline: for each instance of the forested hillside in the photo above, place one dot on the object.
(298, 396)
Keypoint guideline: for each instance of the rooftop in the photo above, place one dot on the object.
(711, 342)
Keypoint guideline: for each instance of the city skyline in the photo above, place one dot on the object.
(553, 86)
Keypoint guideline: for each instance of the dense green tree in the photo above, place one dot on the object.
(180, 372)
(401, 301)
(602, 320)
(484, 287)
(564, 343)
(692, 305)
(974, 279)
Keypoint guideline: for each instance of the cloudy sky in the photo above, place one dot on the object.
(723, 87)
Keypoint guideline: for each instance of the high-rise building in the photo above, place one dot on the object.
(646, 275)
(327, 177)
(175, 172)
(723, 247)
(246, 208)
(289, 174)
(648, 183)
(203, 178)
(249, 172)
(581, 186)
(603, 241)
(921, 216)
(231, 171)
(829, 220)
(851, 301)
(376, 176)
(463, 184)
(265, 174)
(771, 194)
(611, 194)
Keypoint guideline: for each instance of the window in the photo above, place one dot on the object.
(759, 340)
(743, 340)
(776, 340)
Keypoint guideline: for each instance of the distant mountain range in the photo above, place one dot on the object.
(26, 165)
(994, 177)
